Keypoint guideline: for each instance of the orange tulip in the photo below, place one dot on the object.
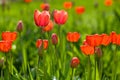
(5, 46)
(45, 6)
(105, 39)
(41, 42)
(67, 5)
(49, 27)
(113, 36)
(27, 1)
(9, 36)
(94, 40)
(73, 36)
(80, 9)
(45, 43)
(108, 2)
(87, 50)
(74, 62)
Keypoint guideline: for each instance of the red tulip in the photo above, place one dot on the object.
(54, 39)
(74, 62)
(113, 36)
(41, 18)
(87, 50)
(105, 39)
(80, 9)
(60, 17)
(9, 36)
(73, 36)
(45, 6)
(67, 5)
(49, 27)
(94, 40)
(108, 2)
(41, 42)
(118, 39)
(5, 46)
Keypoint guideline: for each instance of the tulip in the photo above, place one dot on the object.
(9, 36)
(74, 62)
(73, 36)
(41, 18)
(5, 46)
(108, 2)
(49, 27)
(105, 39)
(67, 5)
(54, 39)
(87, 50)
(94, 40)
(20, 26)
(60, 17)
(79, 9)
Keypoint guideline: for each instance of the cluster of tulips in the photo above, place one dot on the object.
(96, 40)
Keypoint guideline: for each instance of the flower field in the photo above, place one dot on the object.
(60, 40)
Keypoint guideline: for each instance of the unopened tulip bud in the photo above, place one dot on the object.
(74, 62)
(54, 39)
(98, 51)
(20, 26)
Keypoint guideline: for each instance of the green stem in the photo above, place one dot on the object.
(115, 65)
(89, 68)
(95, 68)
(72, 76)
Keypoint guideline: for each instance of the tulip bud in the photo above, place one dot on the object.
(54, 39)
(20, 26)
(98, 51)
(74, 62)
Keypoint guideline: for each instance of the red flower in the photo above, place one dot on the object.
(94, 40)
(5, 46)
(80, 9)
(113, 36)
(75, 62)
(118, 39)
(49, 27)
(45, 43)
(41, 18)
(41, 42)
(9, 36)
(108, 2)
(87, 50)
(67, 5)
(73, 36)
(54, 39)
(45, 6)
(105, 39)
(27, 1)
(60, 17)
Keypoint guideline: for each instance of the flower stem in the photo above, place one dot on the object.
(95, 67)
(114, 66)
(89, 68)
